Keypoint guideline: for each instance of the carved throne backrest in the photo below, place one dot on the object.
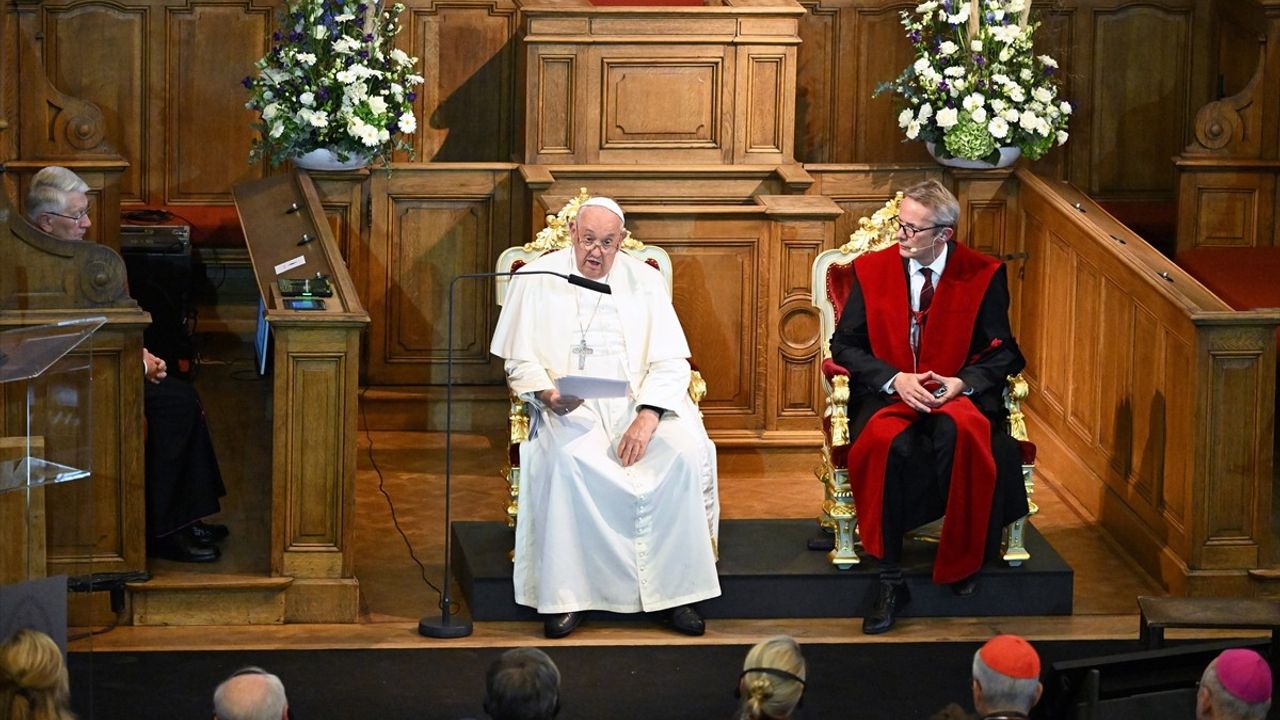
(833, 269)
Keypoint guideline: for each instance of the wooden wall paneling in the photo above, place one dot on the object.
(860, 190)
(1136, 366)
(343, 197)
(208, 48)
(1140, 76)
(430, 223)
(767, 107)
(802, 227)
(467, 106)
(8, 87)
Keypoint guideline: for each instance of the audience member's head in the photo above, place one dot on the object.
(1235, 686)
(522, 684)
(33, 678)
(250, 694)
(57, 203)
(772, 680)
(1006, 676)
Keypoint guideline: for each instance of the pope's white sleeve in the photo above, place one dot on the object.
(527, 378)
(665, 385)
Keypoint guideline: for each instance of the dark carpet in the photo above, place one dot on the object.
(890, 681)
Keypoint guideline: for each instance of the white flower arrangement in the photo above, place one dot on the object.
(333, 80)
(977, 84)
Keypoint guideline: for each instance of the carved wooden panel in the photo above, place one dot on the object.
(554, 91)
(466, 108)
(430, 223)
(661, 103)
(766, 106)
(210, 48)
(1226, 205)
(111, 71)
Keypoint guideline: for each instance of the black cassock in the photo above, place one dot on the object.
(183, 480)
(918, 472)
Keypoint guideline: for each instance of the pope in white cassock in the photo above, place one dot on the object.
(618, 502)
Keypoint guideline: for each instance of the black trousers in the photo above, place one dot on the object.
(183, 480)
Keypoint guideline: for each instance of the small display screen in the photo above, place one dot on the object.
(303, 304)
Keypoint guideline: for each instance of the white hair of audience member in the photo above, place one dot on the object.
(250, 693)
(1002, 692)
(49, 190)
(772, 681)
(1227, 706)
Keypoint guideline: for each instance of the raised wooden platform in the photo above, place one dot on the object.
(766, 571)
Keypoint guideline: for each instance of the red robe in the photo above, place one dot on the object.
(944, 349)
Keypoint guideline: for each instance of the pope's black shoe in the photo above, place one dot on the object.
(686, 621)
(890, 598)
(182, 546)
(209, 533)
(558, 626)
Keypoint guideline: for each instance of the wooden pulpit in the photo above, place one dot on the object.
(316, 365)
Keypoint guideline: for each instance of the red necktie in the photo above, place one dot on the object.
(926, 292)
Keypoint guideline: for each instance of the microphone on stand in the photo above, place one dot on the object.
(446, 626)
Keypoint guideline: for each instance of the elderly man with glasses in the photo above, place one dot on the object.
(182, 476)
(618, 503)
(925, 337)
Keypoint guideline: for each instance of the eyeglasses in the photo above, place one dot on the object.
(74, 218)
(605, 245)
(911, 230)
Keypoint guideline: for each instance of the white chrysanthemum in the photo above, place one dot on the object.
(1042, 94)
(961, 15)
(402, 58)
(998, 128)
(905, 117)
(1062, 137)
(925, 8)
(377, 104)
(408, 123)
(954, 71)
(948, 117)
(978, 115)
(1047, 61)
(973, 101)
(306, 58)
(414, 79)
(313, 118)
(998, 105)
(921, 65)
(346, 46)
(1010, 115)
(948, 48)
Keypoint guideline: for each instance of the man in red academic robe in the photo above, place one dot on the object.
(925, 337)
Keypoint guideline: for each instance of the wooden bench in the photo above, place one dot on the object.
(1159, 613)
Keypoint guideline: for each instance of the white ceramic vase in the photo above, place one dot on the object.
(1008, 156)
(327, 160)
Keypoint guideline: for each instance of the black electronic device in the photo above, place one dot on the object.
(306, 287)
(303, 303)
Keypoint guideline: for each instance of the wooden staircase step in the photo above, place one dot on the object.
(190, 598)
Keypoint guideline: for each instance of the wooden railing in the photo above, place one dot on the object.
(1152, 401)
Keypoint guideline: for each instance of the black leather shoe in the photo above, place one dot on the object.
(890, 599)
(182, 546)
(209, 533)
(965, 587)
(686, 621)
(558, 626)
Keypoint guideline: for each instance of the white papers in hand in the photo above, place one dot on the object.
(587, 387)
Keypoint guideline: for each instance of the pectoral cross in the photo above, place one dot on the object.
(582, 351)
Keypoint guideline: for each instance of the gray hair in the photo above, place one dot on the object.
(764, 694)
(239, 698)
(1229, 706)
(1001, 692)
(522, 684)
(49, 190)
(942, 205)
